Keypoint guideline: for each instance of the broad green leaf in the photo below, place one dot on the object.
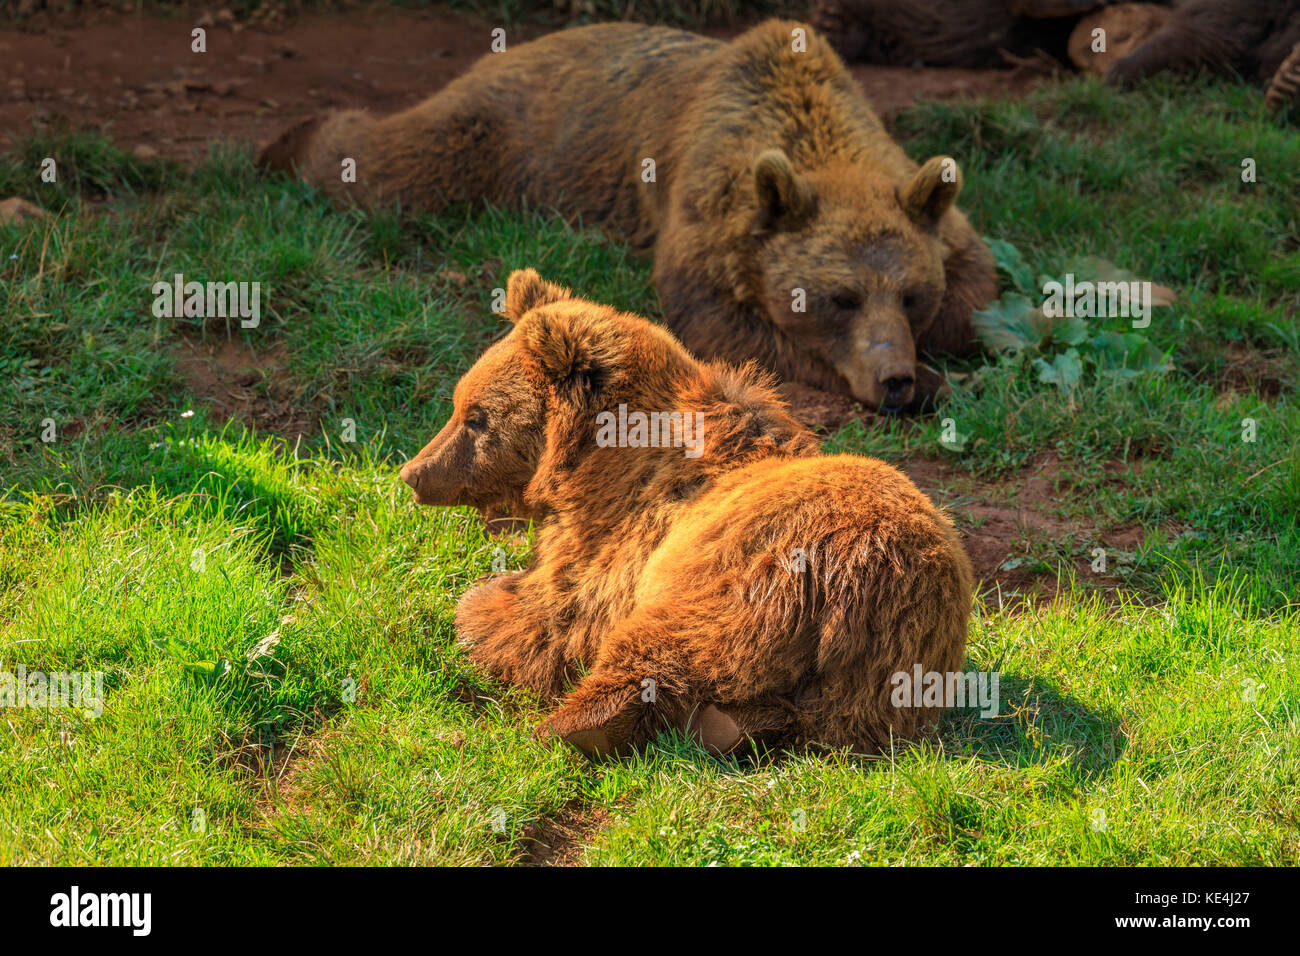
(1012, 322)
(1063, 371)
(1010, 261)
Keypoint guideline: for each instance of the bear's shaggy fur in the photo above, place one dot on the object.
(1284, 88)
(755, 590)
(786, 223)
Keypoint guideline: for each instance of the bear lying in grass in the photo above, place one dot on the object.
(720, 577)
(787, 225)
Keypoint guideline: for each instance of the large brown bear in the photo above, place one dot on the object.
(711, 572)
(787, 225)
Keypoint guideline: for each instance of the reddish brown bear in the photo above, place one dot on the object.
(787, 225)
(717, 575)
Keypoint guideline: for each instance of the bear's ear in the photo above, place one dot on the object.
(526, 290)
(573, 352)
(785, 200)
(932, 191)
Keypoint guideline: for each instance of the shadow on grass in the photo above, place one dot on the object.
(1036, 725)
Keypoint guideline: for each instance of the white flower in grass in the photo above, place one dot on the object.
(188, 413)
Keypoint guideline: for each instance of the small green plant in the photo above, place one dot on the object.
(1063, 348)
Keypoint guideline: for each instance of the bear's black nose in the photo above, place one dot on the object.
(896, 391)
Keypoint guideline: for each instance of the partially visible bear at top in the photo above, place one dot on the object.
(787, 225)
(1248, 37)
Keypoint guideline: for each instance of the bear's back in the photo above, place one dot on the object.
(580, 113)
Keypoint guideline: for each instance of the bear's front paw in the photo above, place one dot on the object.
(486, 608)
(1127, 72)
(715, 730)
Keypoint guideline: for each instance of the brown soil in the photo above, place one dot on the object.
(895, 88)
(240, 382)
(818, 409)
(829, 411)
(559, 839)
(1005, 525)
(278, 769)
(135, 76)
(1266, 372)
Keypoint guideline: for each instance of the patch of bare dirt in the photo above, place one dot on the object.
(559, 839)
(818, 409)
(829, 411)
(894, 88)
(1266, 372)
(280, 769)
(136, 77)
(19, 210)
(1011, 527)
(240, 382)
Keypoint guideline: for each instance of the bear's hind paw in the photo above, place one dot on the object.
(604, 727)
(736, 728)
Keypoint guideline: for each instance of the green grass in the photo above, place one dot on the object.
(273, 616)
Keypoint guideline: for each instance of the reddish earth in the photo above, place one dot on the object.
(1010, 525)
(241, 383)
(136, 77)
(560, 838)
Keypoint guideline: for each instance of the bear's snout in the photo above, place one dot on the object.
(411, 475)
(437, 474)
(881, 367)
(428, 482)
(898, 381)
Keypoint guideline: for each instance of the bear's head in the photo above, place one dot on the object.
(851, 266)
(527, 407)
